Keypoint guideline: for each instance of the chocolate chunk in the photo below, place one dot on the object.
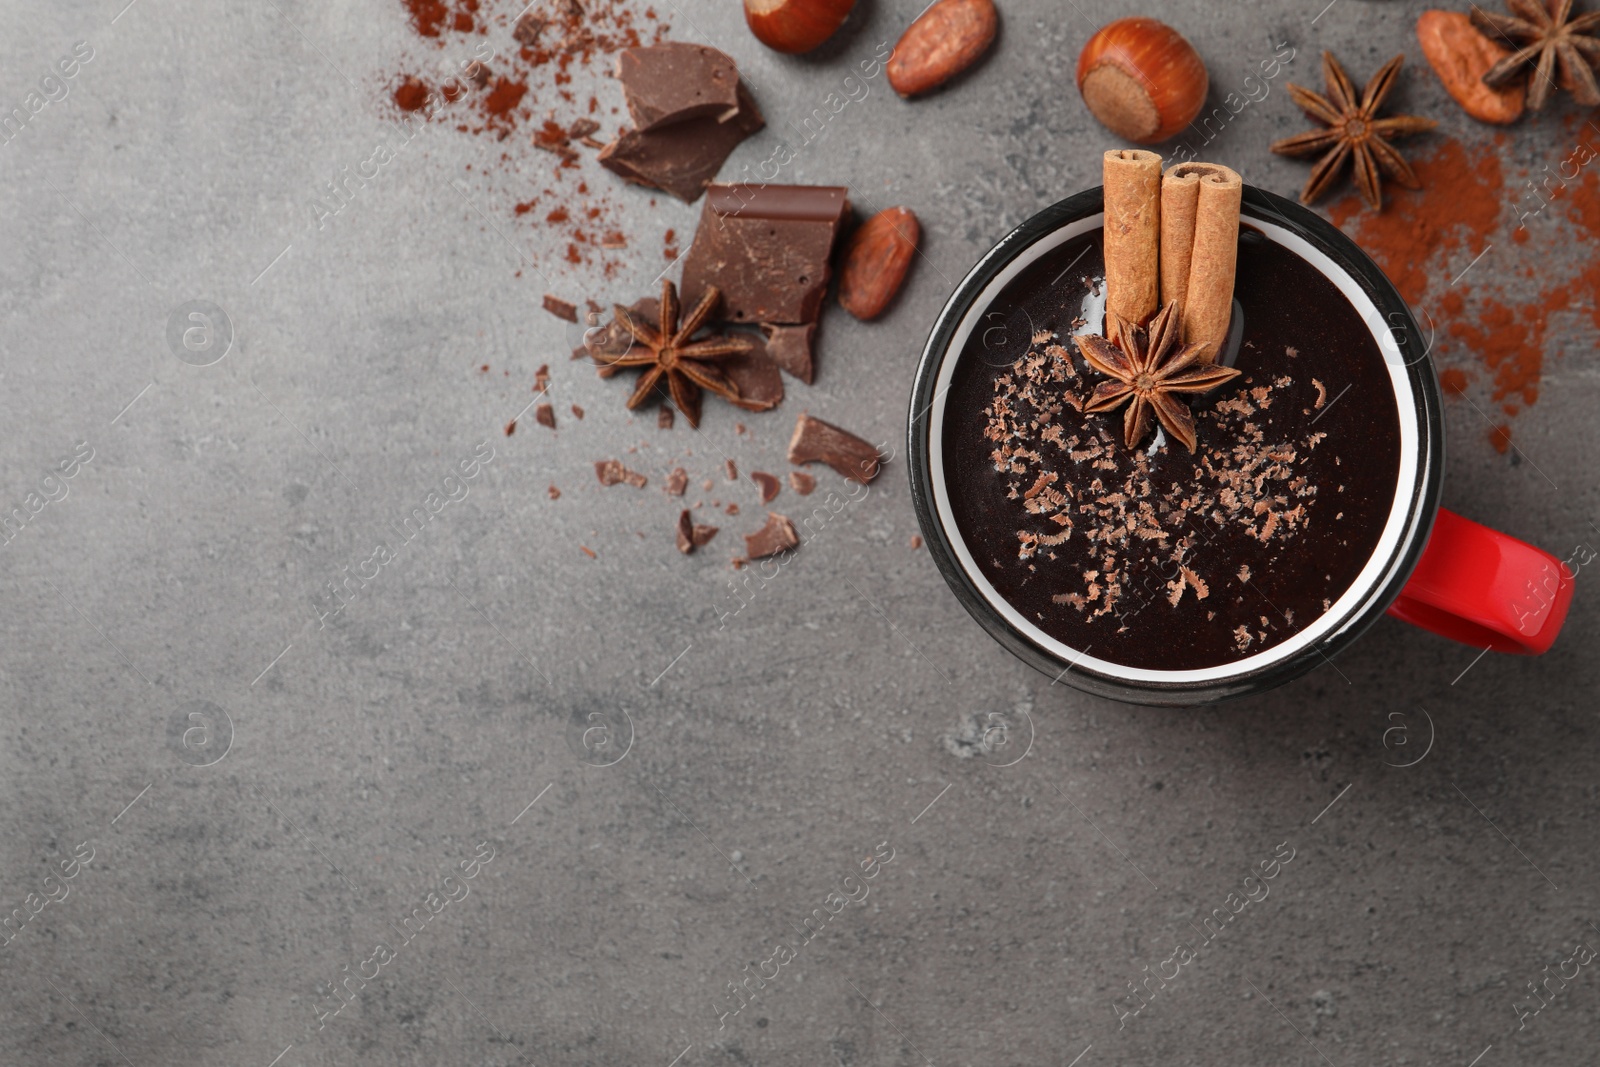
(478, 73)
(732, 470)
(683, 158)
(776, 536)
(545, 415)
(676, 81)
(767, 248)
(560, 308)
(677, 481)
(611, 472)
(755, 375)
(767, 483)
(703, 534)
(541, 379)
(528, 28)
(843, 451)
(790, 348)
(665, 418)
(801, 482)
(685, 532)
(582, 128)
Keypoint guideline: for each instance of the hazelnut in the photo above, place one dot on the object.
(795, 25)
(1142, 79)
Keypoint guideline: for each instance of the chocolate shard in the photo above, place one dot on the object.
(675, 81)
(703, 534)
(790, 348)
(766, 247)
(560, 308)
(545, 415)
(767, 483)
(846, 453)
(685, 532)
(801, 482)
(778, 535)
(677, 481)
(684, 157)
(665, 418)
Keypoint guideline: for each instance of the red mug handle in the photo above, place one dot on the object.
(1480, 587)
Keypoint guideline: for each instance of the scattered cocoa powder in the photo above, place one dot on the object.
(1480, 312)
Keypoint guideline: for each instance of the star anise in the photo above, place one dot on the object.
(666, 351)
(1353, 132)
(1546, 36)
(1151, 371)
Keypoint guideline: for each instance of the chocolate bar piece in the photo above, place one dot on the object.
(675, 81)
(790, 348)
(756, 376)
(682, 158)
(767, 248)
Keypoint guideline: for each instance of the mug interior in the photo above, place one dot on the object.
(1354, 608)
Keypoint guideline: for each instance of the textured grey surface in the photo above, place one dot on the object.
(847, 705)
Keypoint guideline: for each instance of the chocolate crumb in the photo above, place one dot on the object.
(677, 481)
(528, 28)
(916, 540)
(801, 482)
(778, 535)
(577, 412)
(560, 308)
(732, 509)
(768, 484)
(707, 484)
(612, 472)
(733, 471)
(555, 494)
(587, 551)
(511, 427)
(664, 418)
(545, 415)
(843, 451)
(541, 379)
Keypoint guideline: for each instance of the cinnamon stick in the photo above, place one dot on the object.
(1200, 248)
(1132, 193)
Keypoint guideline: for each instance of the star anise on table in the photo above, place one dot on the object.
(667, 351)
(1354, 132)
(1545, 36)
(1150, 372)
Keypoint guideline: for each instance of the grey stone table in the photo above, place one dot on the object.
(573, 798)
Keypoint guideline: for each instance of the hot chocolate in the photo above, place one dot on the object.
(1153, 557)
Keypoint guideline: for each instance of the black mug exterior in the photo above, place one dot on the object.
(1422, 491)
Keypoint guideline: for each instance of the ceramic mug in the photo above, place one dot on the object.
(1431, 567)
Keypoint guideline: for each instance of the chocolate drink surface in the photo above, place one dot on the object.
(1155, 558)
